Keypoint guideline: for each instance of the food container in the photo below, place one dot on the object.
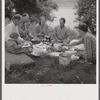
(64, 59)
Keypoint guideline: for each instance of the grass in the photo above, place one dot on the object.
(47, 70)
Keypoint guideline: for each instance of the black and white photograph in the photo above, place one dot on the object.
(50, 42)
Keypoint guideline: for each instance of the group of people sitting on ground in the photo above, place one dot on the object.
(22, 29)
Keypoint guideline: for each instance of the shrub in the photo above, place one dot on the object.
(86, 11)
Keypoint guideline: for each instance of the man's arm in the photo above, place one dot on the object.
(67, 39)
(76, 43)
(21, 40)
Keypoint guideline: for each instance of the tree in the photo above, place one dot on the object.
(36, 7)
(47, 6)
(8, 7)
(86, 11)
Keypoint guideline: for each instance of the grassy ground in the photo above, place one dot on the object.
(48, 70)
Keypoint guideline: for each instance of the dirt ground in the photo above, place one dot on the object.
(47, 70)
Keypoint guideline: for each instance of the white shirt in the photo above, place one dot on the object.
(9, 29)
(7, 21)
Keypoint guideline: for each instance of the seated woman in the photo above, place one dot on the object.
(14, 47)
(32, 28)
(24, 32)
(89, 41)
(42, 28)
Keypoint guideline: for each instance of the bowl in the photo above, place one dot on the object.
(26, 45)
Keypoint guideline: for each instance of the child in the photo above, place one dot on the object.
(89, 41)
(13, 46)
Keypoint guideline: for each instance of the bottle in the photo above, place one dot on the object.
(52, 43)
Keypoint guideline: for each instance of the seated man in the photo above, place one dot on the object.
(61, 34)
(13, 27)
(89, 41)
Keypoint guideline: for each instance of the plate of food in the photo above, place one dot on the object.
(26, 45)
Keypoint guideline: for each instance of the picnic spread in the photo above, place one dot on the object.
(45, 47)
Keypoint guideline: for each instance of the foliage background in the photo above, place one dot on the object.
(86, 11)
(32, 7)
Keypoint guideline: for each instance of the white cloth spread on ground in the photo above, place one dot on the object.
(39, 49)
